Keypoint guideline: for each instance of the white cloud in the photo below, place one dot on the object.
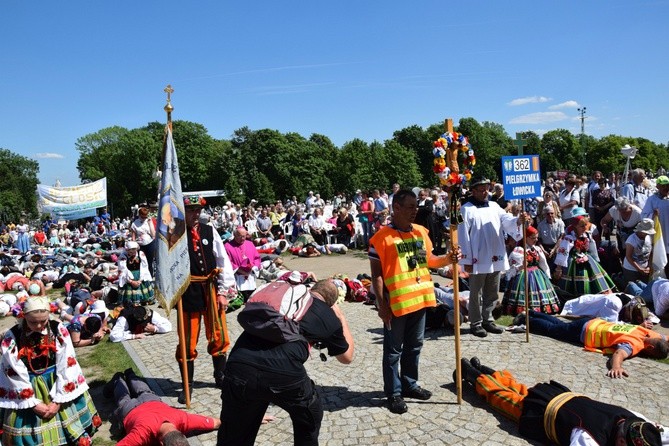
(529, 100)
(49, 155)
(566, 104)
(539, 118)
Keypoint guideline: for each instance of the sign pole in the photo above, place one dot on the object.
(522, 179)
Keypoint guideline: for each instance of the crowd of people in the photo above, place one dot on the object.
(105, 268)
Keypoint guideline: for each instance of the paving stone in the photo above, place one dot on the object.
(353, 399)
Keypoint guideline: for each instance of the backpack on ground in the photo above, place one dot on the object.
(274, 312)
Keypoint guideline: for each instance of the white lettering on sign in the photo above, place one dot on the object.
(523, 178)
(523, 190)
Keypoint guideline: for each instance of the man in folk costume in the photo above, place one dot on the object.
(484, 256)
(551, 413)
(212, 280)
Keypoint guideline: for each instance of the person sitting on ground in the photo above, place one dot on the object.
(264, 225)
(638, 249)
(551, 231)
(551, 413)
(317, 226)
(621, 341)
(344, 227)
(655, 294)
(137, 322)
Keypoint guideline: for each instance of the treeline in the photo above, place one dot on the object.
(267, 165)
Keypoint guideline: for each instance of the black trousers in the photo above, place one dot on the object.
(247, 392)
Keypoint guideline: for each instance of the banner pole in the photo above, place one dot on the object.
(182, 349)
(180, 313)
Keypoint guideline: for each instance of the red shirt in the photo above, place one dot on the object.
(40, 237)
(143, 423)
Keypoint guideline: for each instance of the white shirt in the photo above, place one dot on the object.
(121, 330)
(144, 231)
(641, 253)
(481, 239)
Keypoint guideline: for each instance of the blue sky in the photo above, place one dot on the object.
(346, 69)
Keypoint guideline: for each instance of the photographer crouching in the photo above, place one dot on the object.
(261, 371)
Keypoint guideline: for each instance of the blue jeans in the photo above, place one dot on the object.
(552, 327)
(645, 291)
(401, 350)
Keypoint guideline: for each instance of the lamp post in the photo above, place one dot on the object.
(630, 153)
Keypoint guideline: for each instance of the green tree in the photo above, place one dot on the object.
(355, 167)
(419, 141)
(562, 150)
(18, 186)
(489, 142)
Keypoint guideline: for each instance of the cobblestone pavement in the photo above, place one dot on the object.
(352, 395)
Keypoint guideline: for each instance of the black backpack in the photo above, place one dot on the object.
(274, 311)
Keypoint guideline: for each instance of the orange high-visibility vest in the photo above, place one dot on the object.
(602, 336)
(410, 287)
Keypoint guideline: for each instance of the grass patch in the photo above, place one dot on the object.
(103, 360)
(504, 320)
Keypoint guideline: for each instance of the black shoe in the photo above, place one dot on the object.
(108, 389)
(418, 393)
(397, 405)
(469, 372)
(129, 373)
(479, 331)
(181, 399)
(491, 327)
(476, 363)
(519, 319)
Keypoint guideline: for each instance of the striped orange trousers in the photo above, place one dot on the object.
(503, 393)
(215, 326)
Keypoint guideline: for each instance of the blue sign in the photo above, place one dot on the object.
(521, 177)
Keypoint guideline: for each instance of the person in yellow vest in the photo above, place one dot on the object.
(619, 340)
(551, 413)
(400, 255)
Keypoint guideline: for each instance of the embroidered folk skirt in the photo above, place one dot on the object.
(142, 295)
(74, 424)
(586, 278)
(540, 289)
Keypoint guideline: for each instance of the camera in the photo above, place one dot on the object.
(320, 346)
(412, 262)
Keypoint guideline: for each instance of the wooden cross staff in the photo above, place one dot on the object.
(452, 161)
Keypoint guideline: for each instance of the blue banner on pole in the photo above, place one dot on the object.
(521, 176)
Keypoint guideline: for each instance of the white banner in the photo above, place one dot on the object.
(71, 203)
(172, 258)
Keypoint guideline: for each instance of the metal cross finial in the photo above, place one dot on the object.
(169, 90)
